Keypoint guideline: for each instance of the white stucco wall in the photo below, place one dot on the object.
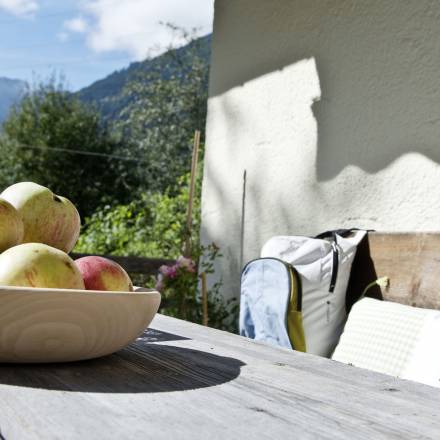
(333, 110)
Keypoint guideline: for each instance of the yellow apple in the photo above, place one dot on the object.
(39, 265)
(11, 226)
(47, 217)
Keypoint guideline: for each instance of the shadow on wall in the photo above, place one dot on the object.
(378, 67)
(242, 200)
(266, 124)
(371, 127)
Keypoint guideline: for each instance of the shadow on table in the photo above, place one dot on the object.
(153, 335)
(143, 367)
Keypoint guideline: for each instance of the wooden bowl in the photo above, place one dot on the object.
(61, 325)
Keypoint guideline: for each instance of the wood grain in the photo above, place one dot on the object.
(410, 260)
(185, 381)
(59, 325)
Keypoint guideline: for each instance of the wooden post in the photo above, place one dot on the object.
(192, 184)
(205, 318)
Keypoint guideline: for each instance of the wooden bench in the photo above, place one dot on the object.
(136, 265)
(410, 260)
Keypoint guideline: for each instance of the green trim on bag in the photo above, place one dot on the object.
(295, 327)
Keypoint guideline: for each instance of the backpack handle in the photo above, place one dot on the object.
(331, 234)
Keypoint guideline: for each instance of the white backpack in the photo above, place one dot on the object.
(323, 264)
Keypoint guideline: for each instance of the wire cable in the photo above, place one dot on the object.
(80, 152)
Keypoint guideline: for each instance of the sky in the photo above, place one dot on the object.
(85, 40)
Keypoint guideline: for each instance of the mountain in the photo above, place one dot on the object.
(108, 95)
(10, 92)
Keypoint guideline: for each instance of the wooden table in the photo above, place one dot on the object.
(184, 381)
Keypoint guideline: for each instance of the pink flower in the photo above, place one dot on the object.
(186, 263)
(172, 271)
(164, 269)
(169, 271)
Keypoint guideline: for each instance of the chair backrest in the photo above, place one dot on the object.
(410, 260)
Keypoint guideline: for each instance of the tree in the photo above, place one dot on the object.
(51, 138)
(166, 104)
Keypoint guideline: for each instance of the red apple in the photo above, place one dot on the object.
(103, 274)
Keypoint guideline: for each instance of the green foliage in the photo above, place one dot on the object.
(182, 294)
(155, 226)
(151, 226)
(160, 102)
(165, 105)
(41, 139)
(134, 208)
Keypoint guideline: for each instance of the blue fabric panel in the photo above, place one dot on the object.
(265, 295)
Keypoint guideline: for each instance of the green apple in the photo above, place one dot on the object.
(11, 226)
(47, 218)
(39, 265)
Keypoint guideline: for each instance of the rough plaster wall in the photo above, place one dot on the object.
(333, 110)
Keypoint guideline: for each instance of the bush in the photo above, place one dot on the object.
(152, 226)
(155, 226)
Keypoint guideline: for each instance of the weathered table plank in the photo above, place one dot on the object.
(182, 380)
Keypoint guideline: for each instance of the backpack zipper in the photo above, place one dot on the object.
(334, 275)
(335, 266)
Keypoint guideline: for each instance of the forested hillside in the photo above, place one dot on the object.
(108, 94)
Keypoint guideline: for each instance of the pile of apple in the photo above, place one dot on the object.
(37, 231)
